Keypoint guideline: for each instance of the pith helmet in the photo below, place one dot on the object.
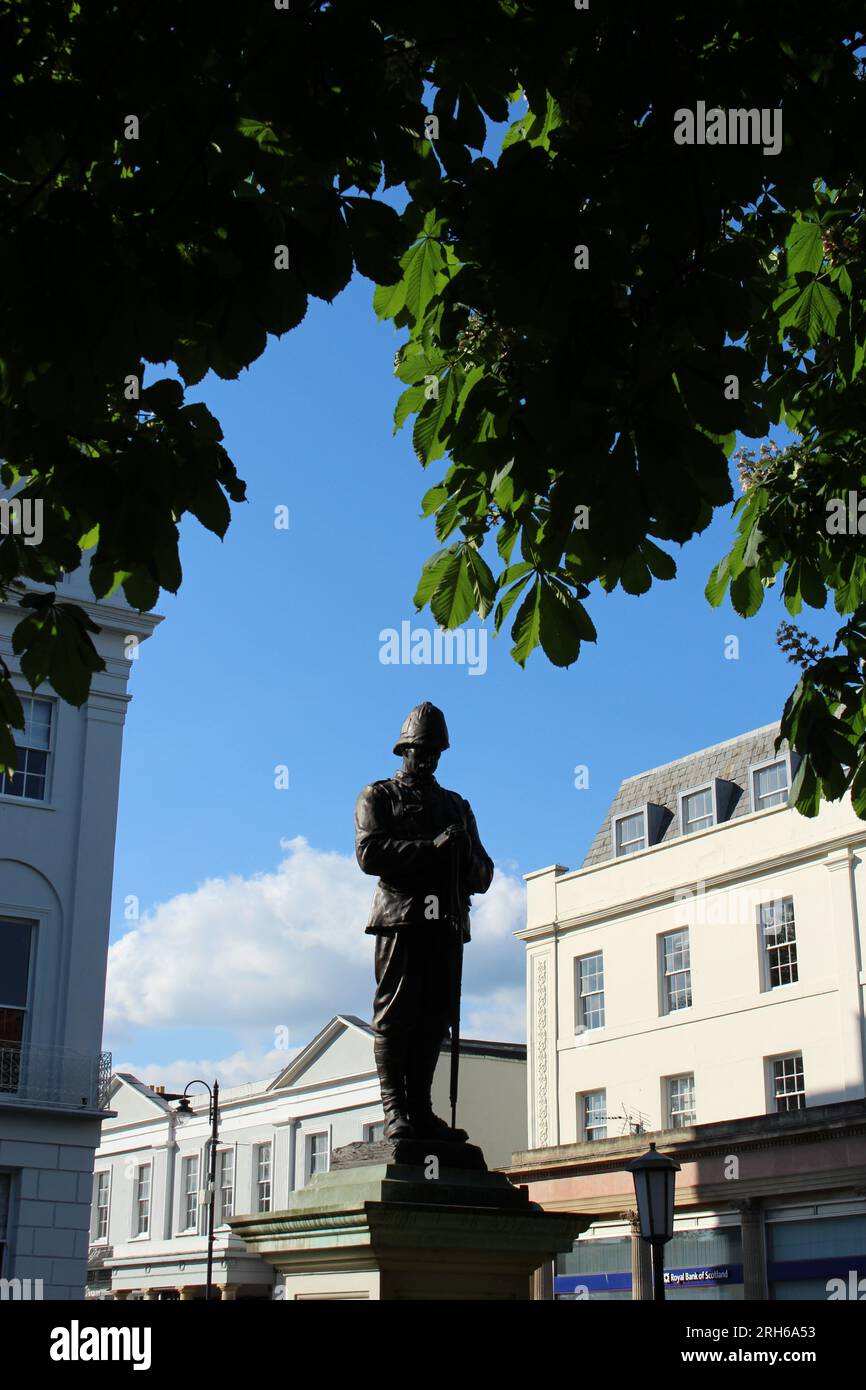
(423, 724)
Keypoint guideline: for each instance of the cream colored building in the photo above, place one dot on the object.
(705, 965)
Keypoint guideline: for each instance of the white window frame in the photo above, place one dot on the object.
(186, 1161)
(710, 787)
(258, 1180)
(626, 815)
(137, 1200)
(665, 1006)
(583, 1097)
(668, 1098)
(774, 1095)
(96, 1238)
(221, 1215)
(11, 797)
(580, 1025)
(309, 1136)
(762, 767)
(765, 948)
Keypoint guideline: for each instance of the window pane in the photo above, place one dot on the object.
(630, 833)
(595, 1115)
(590, 1011)
(771, 785)
(681, 1098)
(780, 943)
(15, 940)
(697, 811)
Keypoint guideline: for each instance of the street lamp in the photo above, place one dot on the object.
(654, 1182)
(184, 1108)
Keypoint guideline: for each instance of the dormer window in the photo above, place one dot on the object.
(631, 833)
(770, 784)
(640, 828)
(697, 810)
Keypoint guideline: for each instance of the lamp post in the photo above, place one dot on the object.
(654, 1182)
(184, 1108)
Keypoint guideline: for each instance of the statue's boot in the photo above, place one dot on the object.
(390, 1065)
(423, 1058)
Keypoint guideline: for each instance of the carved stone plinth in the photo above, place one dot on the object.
(409, 1230)
(415, 1152)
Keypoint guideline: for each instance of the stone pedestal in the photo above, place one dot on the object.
(426, 1229)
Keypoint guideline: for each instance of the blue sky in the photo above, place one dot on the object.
(251, 907)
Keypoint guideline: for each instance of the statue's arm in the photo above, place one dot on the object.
(380, 852)
(477, 868)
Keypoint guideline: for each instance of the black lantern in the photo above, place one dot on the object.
(654, 1183)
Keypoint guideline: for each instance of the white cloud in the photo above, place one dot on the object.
(285, 951)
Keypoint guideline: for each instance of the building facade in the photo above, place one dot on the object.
(700, 979)
(149, 1215)
(57, 828)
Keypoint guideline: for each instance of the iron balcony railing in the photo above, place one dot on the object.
(55, 1076)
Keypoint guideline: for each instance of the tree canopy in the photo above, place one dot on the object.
(643, 272)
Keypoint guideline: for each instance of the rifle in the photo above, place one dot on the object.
(453, 912)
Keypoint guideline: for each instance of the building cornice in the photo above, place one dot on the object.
(844, 1120)
(681, 892)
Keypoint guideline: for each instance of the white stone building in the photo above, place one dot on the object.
(700, 980)
(149, 1220)
(57, 828)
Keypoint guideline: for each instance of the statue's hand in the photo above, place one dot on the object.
(452, 835)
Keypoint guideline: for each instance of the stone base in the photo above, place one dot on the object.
(415, 1152)
(408, 1230)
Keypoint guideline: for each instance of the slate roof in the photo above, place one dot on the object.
(729, 761)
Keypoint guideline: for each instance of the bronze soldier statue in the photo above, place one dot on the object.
(423, 843)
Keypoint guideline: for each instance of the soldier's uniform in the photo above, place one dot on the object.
(420, 904)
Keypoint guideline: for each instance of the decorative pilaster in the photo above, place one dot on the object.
(754, 1250)
(849, 992)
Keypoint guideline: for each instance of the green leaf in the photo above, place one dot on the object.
(453, 599)
(527, 625)
(805, 250)
(483, 583)
(409, 403)
(747, 593)
(635, 577)
(388, 300)
(564, 624)
(433, 499)
(434, 416)
(805, 791)
(421, 264)
(858, 791)
(661, 565)
(813, 311)
(508, 599)
(717, 583)
(431, 575)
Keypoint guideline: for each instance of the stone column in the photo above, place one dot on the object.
(188, 1292)
(843, 933)
(542, 1282)
(228, 1291)
(151, 1295)
(754, 1250)
(121, 1294)
(641, 1264)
